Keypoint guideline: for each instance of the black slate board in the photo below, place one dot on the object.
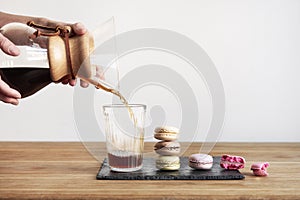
(149, 172)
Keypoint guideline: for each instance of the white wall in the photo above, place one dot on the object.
(255, 46)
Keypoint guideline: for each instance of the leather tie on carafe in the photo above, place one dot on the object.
(58, 70)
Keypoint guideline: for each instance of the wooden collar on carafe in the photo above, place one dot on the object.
(62, 31)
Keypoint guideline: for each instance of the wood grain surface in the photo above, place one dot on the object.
(59, 170)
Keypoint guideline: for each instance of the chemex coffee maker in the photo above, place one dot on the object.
(53, 54)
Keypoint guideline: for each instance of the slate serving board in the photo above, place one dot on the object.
(149, 172)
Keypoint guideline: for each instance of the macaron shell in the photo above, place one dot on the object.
(200, 166)
(169, 167)
(166, 129)
(165, 148)
(200, 161)
(232, 162)
(258, 172)
(168, 163)
(166, 136)
(260, 169)
(261, 166)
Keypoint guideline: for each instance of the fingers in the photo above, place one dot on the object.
(8, 47)
(100, 73)
(7, 94)
(72, 82)
(7, 91)
(83, 84)
(79, 28)
(17, 33)
(65, 82)
(10, 100)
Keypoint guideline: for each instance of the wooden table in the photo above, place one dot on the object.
(67, 171)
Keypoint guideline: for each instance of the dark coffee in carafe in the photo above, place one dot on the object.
(26, 80)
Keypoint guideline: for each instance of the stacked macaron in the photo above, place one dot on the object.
(168, 148)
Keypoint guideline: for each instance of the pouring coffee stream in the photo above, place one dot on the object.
(98, 85)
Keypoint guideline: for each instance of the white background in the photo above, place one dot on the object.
(255, 46)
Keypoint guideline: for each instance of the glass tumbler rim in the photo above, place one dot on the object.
(123, 106)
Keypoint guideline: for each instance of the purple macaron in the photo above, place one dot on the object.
(201, 161)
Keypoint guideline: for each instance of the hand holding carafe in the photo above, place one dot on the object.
(59, 53)
(9, 42)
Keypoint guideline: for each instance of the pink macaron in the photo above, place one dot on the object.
(200, 161)
(260, 169)
(232, 162)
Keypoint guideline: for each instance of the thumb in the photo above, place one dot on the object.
(8, 91)
(79, 28)
(8, 47)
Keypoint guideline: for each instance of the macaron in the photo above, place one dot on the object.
(167, 133)
(168, 163)
(201, 161)
(167, 148)
(232, 162)
(260, 169)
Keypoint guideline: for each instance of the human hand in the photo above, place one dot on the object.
(77, 29)
(22, 38)
(8, 47)
(7, 94)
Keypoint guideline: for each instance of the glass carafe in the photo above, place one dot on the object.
(55, 58)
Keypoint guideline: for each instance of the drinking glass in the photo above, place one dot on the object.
(124, 130)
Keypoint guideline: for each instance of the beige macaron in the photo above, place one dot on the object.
(166, 133)
(168, 163)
